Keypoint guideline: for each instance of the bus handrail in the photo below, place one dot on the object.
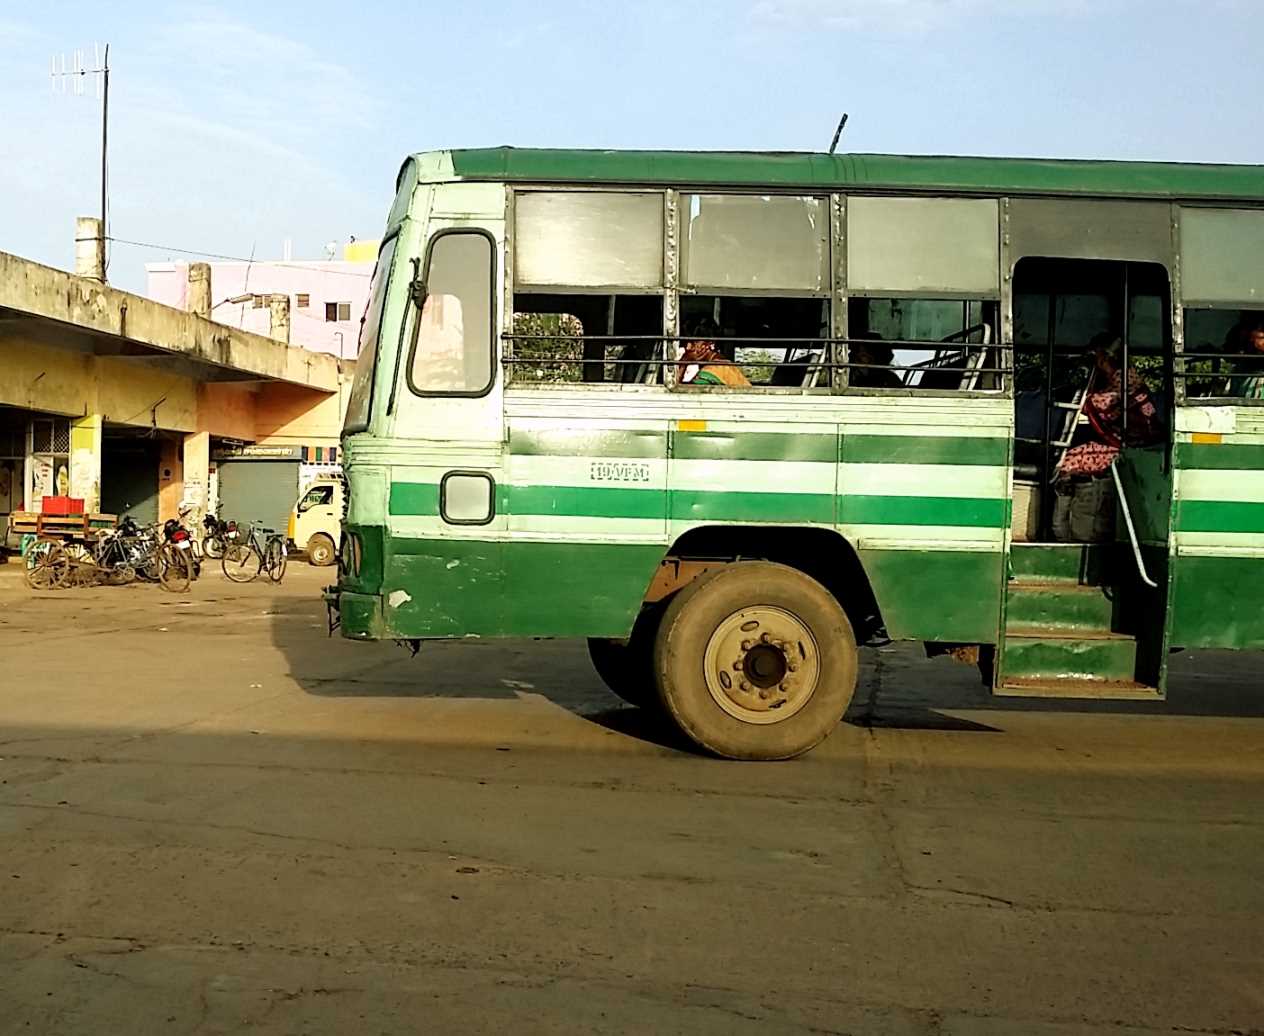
(1132, 530)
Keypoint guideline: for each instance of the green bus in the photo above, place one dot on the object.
(871, 442)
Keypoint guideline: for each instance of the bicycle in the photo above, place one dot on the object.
(245, 560)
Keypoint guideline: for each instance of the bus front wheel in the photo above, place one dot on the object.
(755, 661)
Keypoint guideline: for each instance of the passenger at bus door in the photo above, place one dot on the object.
(1084, 511)
(871, 358)
(1247, 340)
(701, 363)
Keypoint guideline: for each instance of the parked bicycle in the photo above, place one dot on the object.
(260, 550)
(178, 561)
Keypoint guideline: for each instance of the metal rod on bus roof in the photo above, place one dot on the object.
(838, 133)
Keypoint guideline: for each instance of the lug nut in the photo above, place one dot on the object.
(737, 665)
(747, 645)
(763, 695)
(745, 686)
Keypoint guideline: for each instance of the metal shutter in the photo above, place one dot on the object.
(129, 479)
(261, 491)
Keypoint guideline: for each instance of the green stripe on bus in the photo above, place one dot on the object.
(409, 498)
(805, 446)
(923, 510)
(710, 505)
(1219, 516)
(583, 443)
(414, 498)
(924, 449)
(578, 502)
(1212, 457)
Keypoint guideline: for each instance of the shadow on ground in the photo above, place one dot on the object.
(899, 688)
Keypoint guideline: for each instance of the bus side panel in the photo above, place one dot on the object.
(952, 596)
(1218, 568)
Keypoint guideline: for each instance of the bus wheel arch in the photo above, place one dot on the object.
(823, 555)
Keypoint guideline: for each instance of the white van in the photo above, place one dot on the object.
(316, 521)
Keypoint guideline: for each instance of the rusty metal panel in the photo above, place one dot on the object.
(1222, 255)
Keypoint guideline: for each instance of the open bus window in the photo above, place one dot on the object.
(1224, 353)
(940, 344)
(452, 339)
(568, 338)
(776, 342)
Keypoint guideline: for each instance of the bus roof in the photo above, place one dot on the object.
(819, 171)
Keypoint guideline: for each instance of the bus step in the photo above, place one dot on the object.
(1087, 564)
(1058, 606)
(1101, 690)
(1048, 654)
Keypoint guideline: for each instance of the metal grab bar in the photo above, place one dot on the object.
(1132, 531)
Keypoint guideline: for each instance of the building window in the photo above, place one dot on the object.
(302, 300)
(335, 311)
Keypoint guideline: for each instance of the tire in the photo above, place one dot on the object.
(213, 547)
(274, 560)
(755, 661)
(627, 666)
(176, 569)
(321, 551)
(241, 564)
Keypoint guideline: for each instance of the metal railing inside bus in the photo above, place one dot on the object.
(816, 360)
(1219, 375)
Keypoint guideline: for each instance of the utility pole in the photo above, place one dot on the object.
(74, 74)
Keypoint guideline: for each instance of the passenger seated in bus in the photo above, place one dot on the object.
(1247, 340)
(701, 363)
(871, 359)
(1084, 511)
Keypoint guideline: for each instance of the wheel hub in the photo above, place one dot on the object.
(762, 664)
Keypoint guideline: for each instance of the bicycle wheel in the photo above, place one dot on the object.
(47, 566)
(274, 560)
(241, 563)
(176, 568)
(213, 547)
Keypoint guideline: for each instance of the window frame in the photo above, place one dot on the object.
(493, 365)
(488, 477)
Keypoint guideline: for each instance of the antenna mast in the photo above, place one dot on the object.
(838, 133)
(75, 74)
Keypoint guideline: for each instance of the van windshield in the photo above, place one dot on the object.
(360, 401)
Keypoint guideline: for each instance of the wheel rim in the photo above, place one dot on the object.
(762, 665)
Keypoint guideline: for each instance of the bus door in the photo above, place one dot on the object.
(445, 517)
(1087, 595)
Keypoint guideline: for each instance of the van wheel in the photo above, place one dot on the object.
(627, 666)
(755, 661)
(321, 550)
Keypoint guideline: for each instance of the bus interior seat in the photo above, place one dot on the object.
(796, 371)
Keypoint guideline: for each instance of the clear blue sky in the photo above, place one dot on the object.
(235, 126)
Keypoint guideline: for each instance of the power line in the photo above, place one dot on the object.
(234, 258)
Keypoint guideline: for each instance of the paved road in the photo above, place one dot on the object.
(213, 819)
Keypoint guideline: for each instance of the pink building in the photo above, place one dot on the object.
(327, 297)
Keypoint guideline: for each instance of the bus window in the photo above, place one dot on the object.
(923, 343)
(754, 242)
(1224, 353)
(360, 399)
(592, 338)
(774, 341)
(453, 338)
(588, 239)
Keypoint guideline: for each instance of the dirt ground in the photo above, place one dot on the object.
(214, 819)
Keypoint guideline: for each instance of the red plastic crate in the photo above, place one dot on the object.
(62, 505)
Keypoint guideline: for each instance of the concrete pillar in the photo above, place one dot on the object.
(86, 443)
(89, 248)
(170, 479)
(279, 312)
(197, 478)
(199, 293)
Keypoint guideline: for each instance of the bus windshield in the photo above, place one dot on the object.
(361, 398)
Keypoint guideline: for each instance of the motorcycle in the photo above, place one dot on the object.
(180, 564)
(216, 536)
